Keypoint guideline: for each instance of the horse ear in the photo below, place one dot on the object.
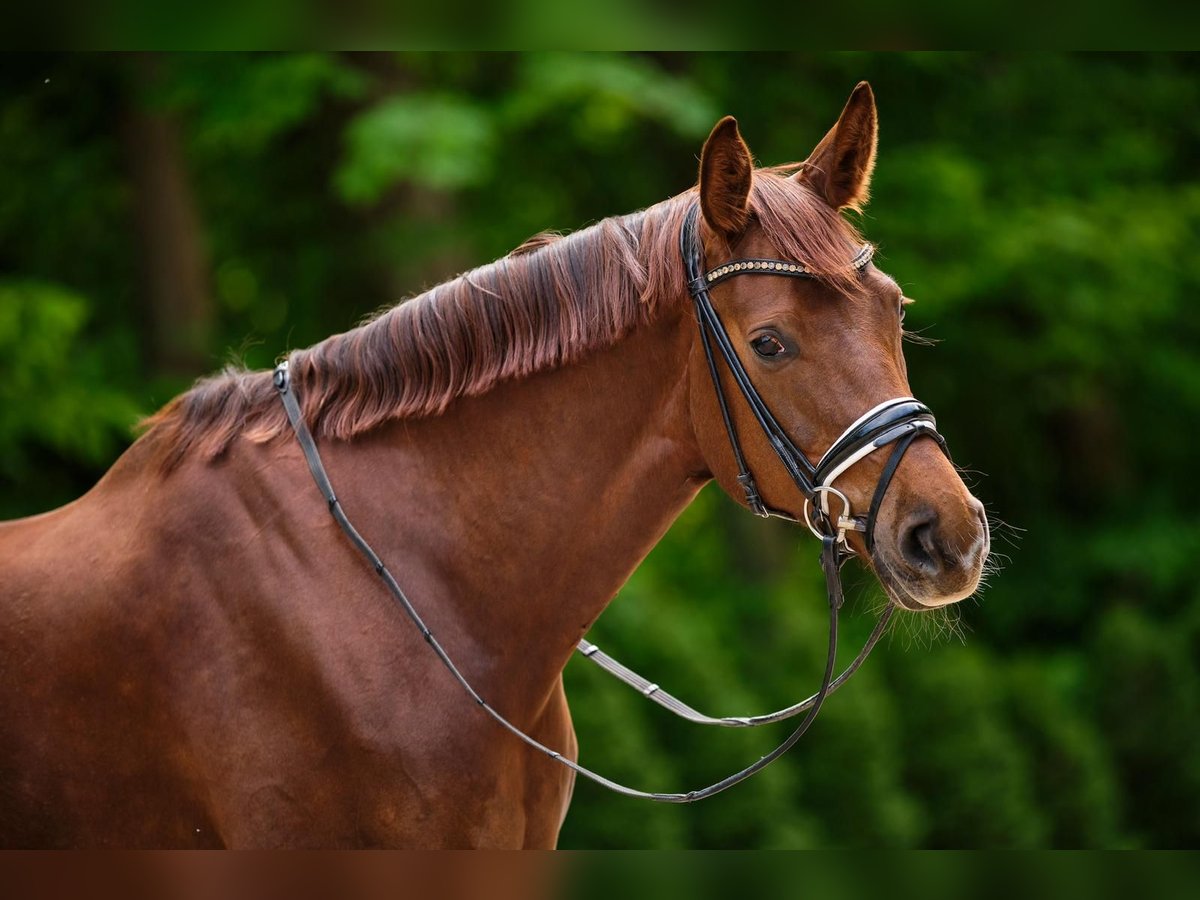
(725, 173)
(840, 167)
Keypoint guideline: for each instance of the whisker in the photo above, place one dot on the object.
(917, 338)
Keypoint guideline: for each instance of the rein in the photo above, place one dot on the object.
(899, 421)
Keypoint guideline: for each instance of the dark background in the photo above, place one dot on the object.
(162, 214)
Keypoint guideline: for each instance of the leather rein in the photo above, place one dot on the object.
(899, 421)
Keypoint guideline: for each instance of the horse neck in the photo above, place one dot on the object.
(530, 506)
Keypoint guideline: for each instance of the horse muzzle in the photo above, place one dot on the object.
(935, 557)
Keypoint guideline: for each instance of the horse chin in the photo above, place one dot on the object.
(908, 595)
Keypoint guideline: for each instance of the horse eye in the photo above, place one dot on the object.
(767, 345)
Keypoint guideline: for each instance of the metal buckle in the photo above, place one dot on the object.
(843, 523)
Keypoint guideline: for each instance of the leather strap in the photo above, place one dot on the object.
(885, 478)
(786, 268)
(654, 692)
(885, 423)
(900, 421)
(744, 478)
(829, 562)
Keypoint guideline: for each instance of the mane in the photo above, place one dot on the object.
(549, 303)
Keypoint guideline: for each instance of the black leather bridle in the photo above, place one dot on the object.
(899, 422)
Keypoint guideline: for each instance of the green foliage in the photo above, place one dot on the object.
(1072, 779)
(439, 141)
(1040, 208)
(606, 93)
(447, 141)
(963, 755)
(53, 398)
(1147, 698)
(241, 103)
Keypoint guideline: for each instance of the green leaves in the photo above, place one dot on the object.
(449, 141)
(241, 103)
(54, 394)
(440, 141)
(600, 94)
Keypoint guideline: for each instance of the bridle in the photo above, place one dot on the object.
(899, 422)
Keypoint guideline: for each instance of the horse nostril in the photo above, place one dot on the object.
(919, 545)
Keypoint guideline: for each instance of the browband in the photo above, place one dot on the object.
(777, 267)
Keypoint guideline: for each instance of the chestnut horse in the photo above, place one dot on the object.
(193, 655)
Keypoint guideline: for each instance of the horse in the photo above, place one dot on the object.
(194, 655)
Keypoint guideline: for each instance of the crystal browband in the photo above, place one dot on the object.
(777, 267)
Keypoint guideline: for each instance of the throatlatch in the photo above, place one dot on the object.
(899, 421)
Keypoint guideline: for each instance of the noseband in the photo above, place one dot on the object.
(899, 421)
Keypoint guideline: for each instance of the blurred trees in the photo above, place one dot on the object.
(175, 289)
(157, 215)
